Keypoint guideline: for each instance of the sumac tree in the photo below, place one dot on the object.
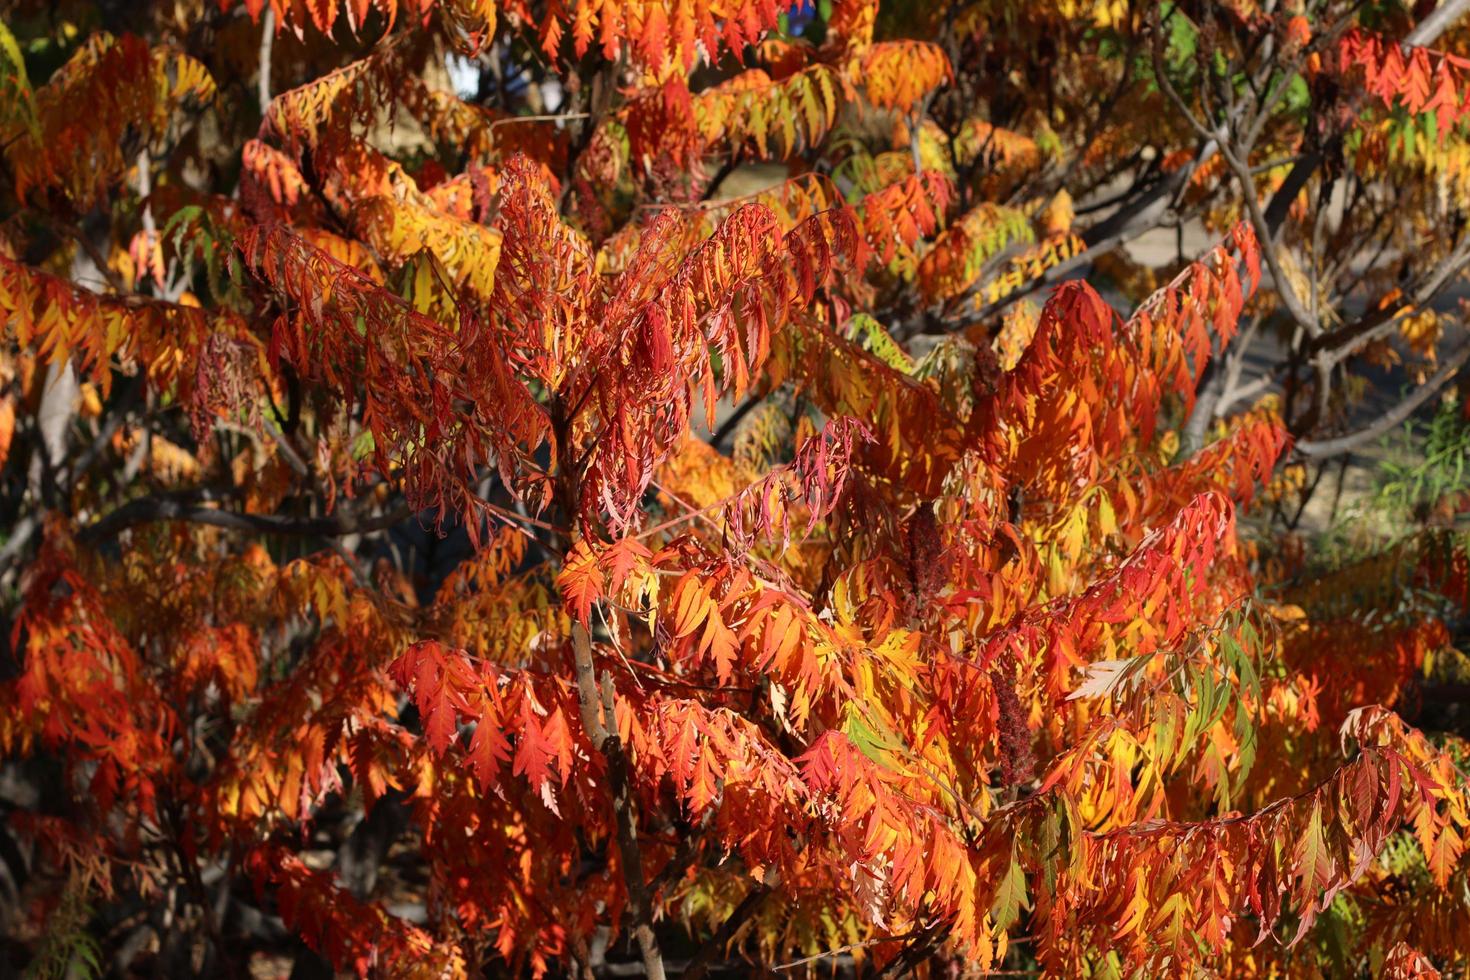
(453, 527)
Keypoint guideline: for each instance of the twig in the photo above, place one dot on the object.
(1317, 449)
(541, 117)
(850, 947)
(115, 420)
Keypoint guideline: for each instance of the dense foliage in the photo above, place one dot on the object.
(452, 531)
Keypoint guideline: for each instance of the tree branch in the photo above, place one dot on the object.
(599, 722)
(1430, 28)
(1242, 171)
(728, 426)
(1426, 32)
(1396, 416)
(698, 967)
(193, 506)
(1341, 343)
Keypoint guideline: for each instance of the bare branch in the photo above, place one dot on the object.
(1430, 28)
(1377, 323)
(1234, 395)
(1391, 419)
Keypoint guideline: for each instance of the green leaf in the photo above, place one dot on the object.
(17, 100)
(1010, 897)
(1183, 40)
(875, 340)
(861, 734)
(364, 445)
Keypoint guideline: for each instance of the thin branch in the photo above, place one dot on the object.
(111, 278)
(194, 507)
(115, 420)
(692, 513)
(20, 535)
(717, 181)
(1380, 322)
(145, 190)
(688, 844)
(540, 117)
(849, 948)
(1095, 127)
(1052, 275)
(516, 517)
(1234, 395)
(293, 458)
(1242, 173)
(1161, 77)
(1155, 196)
(1396, 416)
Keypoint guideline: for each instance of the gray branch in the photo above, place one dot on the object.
(1394, 417)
